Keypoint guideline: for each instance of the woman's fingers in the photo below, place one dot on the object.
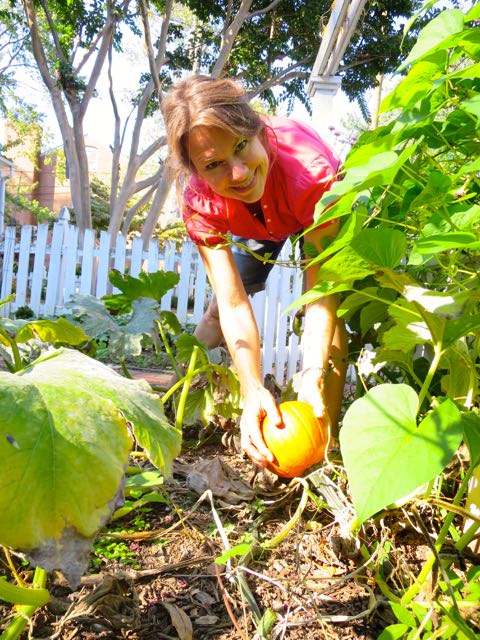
(257, 406)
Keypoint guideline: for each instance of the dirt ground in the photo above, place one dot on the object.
(313, 580)
(158, 578)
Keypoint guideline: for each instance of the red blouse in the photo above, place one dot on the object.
(302, 168)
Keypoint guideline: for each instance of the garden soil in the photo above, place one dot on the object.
(153, 574)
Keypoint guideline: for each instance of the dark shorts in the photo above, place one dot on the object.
(253, 271)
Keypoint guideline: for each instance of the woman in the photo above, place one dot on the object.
(258, 179)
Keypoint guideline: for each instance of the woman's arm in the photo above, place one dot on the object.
(241, 335)
(319, 328)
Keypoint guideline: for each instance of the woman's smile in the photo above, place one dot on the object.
(234, 167)
(246, 187)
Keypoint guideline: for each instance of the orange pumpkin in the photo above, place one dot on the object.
(297, 443)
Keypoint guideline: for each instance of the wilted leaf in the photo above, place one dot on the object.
(124, 339)
(180, 621)
(67, 421)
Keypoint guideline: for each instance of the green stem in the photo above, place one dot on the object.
(168, 351)
(428, 566)
(17, 360)
(125, 370)
(19, 595)
(186, 388)
(431, 372)
(16, 627)
(382, 585)
(429, 489)
(276, 540)
(467, 536)
(178, 384)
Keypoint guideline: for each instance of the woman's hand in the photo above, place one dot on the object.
(310, 389)
(258, 403)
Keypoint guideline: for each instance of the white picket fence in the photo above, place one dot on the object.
(44, 268)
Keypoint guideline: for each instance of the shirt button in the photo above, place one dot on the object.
(265, 206)
(269, 219)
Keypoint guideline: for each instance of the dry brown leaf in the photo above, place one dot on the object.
(180, 621)
(206, 621)
(204, 598)
(222, 481)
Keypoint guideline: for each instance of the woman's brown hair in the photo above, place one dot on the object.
(202, 100)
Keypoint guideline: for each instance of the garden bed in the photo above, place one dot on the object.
(153, 574)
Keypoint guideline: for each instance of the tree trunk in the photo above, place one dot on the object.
(158, 202)
(229, 35)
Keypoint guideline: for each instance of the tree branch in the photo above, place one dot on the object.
(285, 75)
(117, 142)
(148, 182)
(147, 92)
(53, 31)
(260, 12)
(357, 63)
(151, 56)
(229, 35)
(40, 56)
(151, 149)
(102, 51)
(133, 210)
(228, 17)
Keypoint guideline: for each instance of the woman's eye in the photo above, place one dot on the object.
(242, 145)
(213, 165)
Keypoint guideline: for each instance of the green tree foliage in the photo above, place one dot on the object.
(101, 207)
(278, 47)
(269, 46)
(13, 49)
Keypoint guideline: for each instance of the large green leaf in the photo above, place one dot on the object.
(456, 329)
(385, 454)
(472, 105)
(345, 266)
(147, 285)
(134, 398)
(473, 14)
(382, 247)
(416, 85)
(443, 305)
(125, 337)
(433, 193)
(435, 33)
(185, 344)
(324, 288)
(405, 336)
(51, 331)
(446, 241)
(371, 314)
(66, 422)
(351, 303)
(461, 379)
(377, 170)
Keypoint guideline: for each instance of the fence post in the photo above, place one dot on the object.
(23, 266)
(39, 268)
(62, 221)
(7, 274)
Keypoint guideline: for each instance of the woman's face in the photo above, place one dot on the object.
(234, 167)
